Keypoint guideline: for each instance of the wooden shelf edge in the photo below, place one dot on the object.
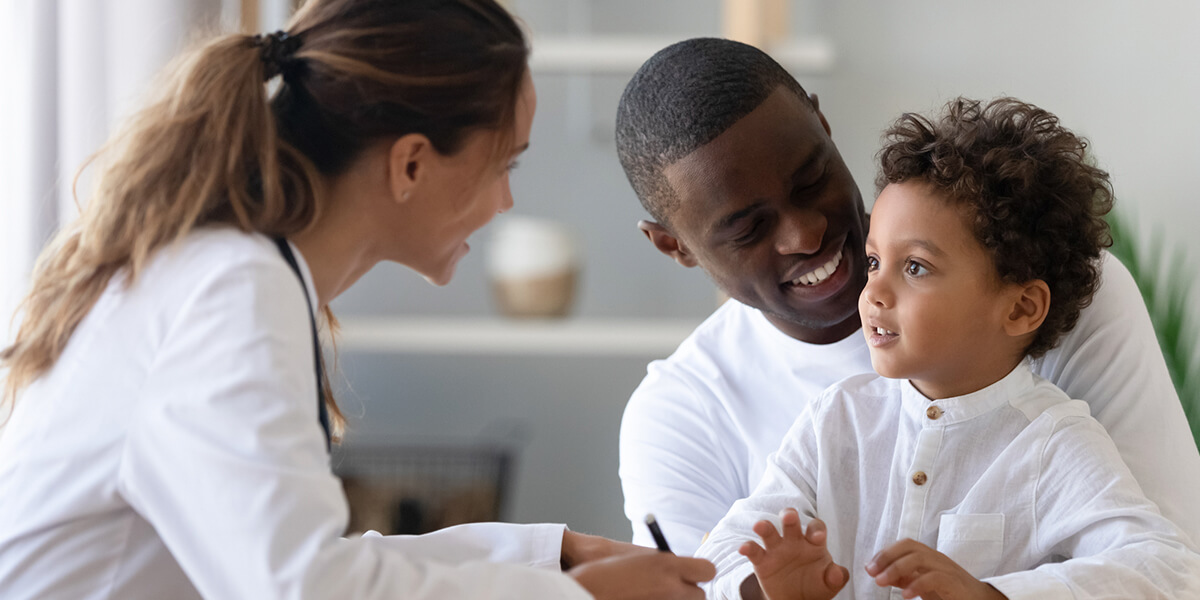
(648, 338)
(625, 54)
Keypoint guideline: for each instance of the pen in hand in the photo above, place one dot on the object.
(659, 540)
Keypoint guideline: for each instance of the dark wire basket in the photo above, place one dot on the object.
(419, 489)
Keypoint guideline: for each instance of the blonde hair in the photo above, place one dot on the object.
(213, 149)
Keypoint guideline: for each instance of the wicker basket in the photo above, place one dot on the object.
(418, 489)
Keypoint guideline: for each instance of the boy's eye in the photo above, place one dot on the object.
(872, 263)
(915, 269)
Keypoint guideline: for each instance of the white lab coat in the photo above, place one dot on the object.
(174, 451)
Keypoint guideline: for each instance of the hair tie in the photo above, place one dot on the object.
(277, 52)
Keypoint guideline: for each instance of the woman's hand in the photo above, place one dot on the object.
(648, 575)
(796, 564)
(580, 548)
(919, 570)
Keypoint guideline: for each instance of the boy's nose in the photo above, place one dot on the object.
(876, 293)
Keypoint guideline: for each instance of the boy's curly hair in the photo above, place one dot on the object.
(1038, 202)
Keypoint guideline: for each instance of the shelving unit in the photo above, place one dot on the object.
(624, 54)
(493, 336)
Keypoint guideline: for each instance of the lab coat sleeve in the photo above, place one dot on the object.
(537, 546)
(790, 481)
(675, 461)
(226, 459)
(1087, 506)
(1113, 361)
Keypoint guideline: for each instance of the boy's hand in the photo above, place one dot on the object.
(795, 565)
(919, 570)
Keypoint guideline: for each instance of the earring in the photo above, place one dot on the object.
(405, 195)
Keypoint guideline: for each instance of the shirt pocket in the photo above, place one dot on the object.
(975, 542)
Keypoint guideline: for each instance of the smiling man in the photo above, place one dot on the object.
(737, 167)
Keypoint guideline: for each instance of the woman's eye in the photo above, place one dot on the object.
(915, 269)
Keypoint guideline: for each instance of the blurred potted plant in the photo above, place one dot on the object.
(1166, 283)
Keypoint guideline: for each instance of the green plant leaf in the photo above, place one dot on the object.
(1166, 293)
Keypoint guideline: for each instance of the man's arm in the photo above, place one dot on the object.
(1113, 361)
(675, 461)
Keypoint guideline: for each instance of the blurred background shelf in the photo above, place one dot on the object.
(624, 54)
(623, 337)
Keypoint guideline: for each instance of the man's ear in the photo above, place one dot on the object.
(816, 105)
(1029, 309)
(667, 243)
(409, 160)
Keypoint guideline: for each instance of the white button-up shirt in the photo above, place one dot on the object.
(1009, 482)
(698, 430)
(174, 451)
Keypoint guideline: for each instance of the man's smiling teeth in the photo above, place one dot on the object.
(820, 274)
(882, 331)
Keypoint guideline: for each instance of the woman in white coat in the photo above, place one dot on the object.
(170, 415)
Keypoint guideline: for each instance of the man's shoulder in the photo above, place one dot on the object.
(720, 339)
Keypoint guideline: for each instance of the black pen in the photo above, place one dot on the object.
(659, 540)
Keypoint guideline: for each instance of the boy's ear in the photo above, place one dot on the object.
(667, 243)
(1029, 309)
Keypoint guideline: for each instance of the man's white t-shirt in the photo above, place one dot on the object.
(174, 451)
(697, 431)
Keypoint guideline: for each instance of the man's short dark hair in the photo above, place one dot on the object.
(1036, 201)
(683, 98)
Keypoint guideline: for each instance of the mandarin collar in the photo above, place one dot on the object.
(948, 411)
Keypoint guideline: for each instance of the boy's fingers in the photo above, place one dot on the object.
(925, 586)
(791, 524)
(815, 532)
(752, 551)
(902, 571)
(766, 530)
(889, 555)
(836, 576)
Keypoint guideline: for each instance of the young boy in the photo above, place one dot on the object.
(958, 473)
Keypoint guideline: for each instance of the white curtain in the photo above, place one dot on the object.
(70, 71)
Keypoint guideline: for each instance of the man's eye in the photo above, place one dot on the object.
(750, 234)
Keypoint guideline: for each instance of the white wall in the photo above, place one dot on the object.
(1124, 74)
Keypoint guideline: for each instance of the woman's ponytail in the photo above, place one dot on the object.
(211, 149)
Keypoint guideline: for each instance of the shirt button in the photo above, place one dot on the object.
(933, 412)
(919, 478)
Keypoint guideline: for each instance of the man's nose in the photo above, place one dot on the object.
(801, 231)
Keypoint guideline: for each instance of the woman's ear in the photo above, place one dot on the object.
(409, 162)
(1029, 308)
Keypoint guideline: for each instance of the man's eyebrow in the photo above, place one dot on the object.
(733, 217)
(521, 148)
(817, 158)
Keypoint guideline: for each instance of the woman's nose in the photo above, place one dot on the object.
(506, 199)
